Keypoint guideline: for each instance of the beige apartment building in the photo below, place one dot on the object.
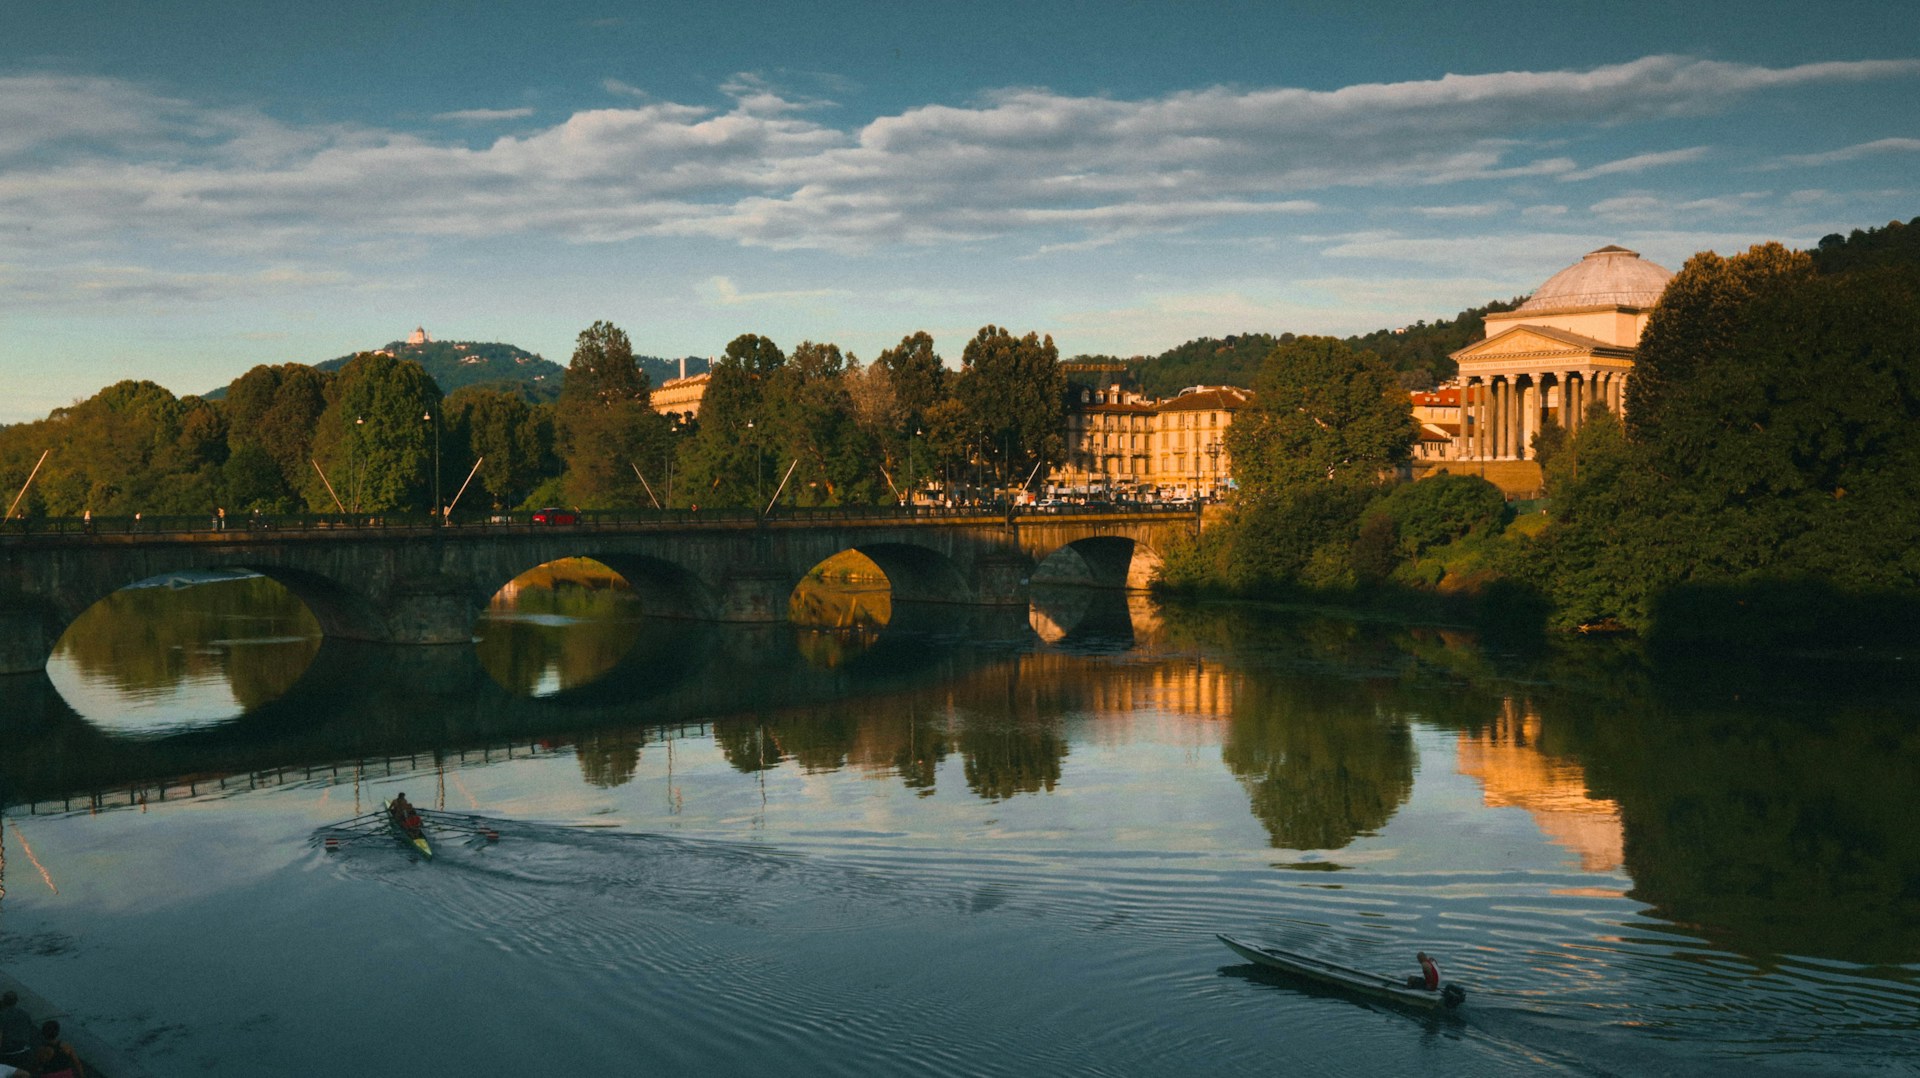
(1122, 445)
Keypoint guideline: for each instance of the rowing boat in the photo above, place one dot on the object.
(1353, 981)
(415, 836)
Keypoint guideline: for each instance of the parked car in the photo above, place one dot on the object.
(553, 514)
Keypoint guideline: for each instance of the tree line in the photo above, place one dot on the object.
(379, 435)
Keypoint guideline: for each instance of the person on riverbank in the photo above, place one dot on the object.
(56, 1058)
(16, 1034)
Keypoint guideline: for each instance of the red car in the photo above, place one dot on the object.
(553, 514)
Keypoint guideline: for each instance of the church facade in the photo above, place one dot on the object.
(1568, 347)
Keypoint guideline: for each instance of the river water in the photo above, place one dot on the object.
(956, 844)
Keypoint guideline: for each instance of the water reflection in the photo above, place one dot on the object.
(1322, 762)
(1514, 771)
(558, 627)
(1771, 826)
(187, 651)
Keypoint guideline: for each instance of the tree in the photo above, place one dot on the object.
(511, 440)
(726, 462)
(1321, 412)
(605, 428)
(1015, 393)
(1692, 328)
(374, 439)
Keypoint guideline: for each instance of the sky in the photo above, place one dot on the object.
(190, 189)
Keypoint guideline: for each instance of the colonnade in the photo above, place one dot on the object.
(1503, 412)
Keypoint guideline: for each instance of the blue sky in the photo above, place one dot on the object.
(187, 190)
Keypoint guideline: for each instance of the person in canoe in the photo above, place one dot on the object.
(1429, 975)
(404, 814)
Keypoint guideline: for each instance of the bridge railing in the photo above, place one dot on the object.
(155, 525)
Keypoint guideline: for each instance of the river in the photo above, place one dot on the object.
(947, 842)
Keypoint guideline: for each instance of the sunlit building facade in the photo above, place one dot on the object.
(1569, 346)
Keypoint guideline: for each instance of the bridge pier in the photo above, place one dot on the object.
(1001, 579)
(431, 610)
(26, 639)
(754, 593)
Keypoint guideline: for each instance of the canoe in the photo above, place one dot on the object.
(414, 837)
(1352, 981)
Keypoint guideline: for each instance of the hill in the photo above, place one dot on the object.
(458, 364)
(493, 365)
(1419, 352)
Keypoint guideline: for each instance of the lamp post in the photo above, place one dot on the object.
(431, 418)
(354, 464)
(758, 465)
(910, 444)
(666, 458)
(1213, 455)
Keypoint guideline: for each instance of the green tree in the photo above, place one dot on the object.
(1321, 412)
(511, 439)
(1015, 393)
(375, 440)
(277, 409)
(1691, 330)
(726, 462)
(605, 428)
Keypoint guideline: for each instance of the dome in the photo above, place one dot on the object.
(1609, 277)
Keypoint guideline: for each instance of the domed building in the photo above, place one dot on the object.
(1566, 348)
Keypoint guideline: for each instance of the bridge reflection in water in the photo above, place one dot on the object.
(559, 664)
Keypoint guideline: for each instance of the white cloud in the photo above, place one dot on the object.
(1639, 163)
(90, 163)
(483, 115)
(1655, 209)
(1854, 153)
(109, 285)
(1461, 212)
(721, 291)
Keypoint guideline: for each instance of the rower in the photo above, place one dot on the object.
(1429, 975)
(404, 813)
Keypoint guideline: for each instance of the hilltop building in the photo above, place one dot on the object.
(419, 336)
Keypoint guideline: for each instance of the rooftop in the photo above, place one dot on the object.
(1609, 277)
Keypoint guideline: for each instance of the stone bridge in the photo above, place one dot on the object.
(424, 584)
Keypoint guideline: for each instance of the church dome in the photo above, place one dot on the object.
(1609, 277)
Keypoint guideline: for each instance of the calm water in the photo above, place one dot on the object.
(996, 845)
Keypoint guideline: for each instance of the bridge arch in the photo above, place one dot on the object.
(1100, 561)
(665, 588)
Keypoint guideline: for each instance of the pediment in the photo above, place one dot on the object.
(1526, 340)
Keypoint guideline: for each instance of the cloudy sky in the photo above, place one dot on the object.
(189, 189)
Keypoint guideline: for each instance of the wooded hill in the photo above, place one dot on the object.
(494, 365)
(1419, 354)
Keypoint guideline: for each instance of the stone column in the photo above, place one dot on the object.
(1501, 407)
(1483, 415)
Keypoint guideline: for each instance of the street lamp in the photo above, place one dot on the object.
(429, 418)
(354, 464)
(910, 443)
(666, 458)
(1213, 453)
(759, 465)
